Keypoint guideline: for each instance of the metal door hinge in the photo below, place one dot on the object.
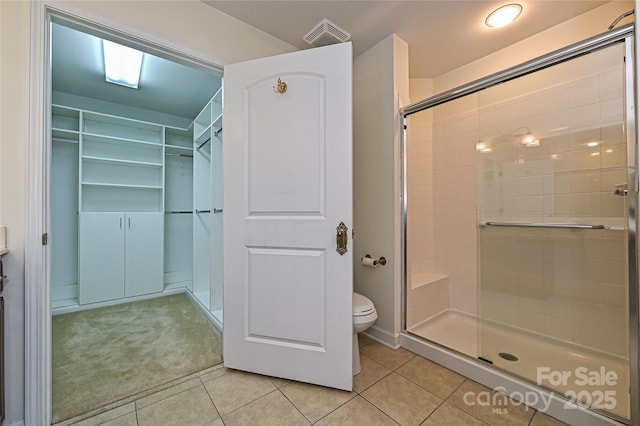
(45, 239)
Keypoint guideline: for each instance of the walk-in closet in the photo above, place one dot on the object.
(136, 189)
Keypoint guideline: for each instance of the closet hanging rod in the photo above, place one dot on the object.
(545, 225)
(179, 212)
(203, 211)
(179, 155)
(203, 144)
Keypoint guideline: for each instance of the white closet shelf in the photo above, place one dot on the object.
(65, 140)
(203, 136)
(65, 119)
(119, 161)
(120, 139)
(178, 149)
(217, 122)
(61, 131)
(120, 185)
(65, 135)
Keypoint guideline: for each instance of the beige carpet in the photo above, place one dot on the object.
(103, 355)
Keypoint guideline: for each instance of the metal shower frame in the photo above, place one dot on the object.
(624, 34)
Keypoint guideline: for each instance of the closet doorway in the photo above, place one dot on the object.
(136, 222)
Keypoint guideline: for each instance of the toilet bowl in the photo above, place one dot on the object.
(364, 315)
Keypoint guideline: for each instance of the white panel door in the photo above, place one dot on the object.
(287, 186)
(144, 251)
(101, 257)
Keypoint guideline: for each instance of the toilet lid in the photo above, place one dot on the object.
(362, 305)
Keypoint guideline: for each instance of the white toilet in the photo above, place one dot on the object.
(364, 315)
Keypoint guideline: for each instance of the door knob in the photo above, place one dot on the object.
(341, 238)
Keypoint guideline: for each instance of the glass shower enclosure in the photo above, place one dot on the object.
(520, 221)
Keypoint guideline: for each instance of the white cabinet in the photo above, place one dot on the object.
(121, 204)
(120, 255)
(147, 213)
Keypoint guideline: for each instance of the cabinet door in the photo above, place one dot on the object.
(101, 253)
(144, 253)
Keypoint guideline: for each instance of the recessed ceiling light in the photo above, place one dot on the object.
(503, 15)
(121, 64)
(530, 141)
(482, 147)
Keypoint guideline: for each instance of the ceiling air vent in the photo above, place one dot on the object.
(326, 32)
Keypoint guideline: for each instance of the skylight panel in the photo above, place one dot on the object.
(122, 64)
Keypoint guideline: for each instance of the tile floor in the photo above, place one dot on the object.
(395, 387)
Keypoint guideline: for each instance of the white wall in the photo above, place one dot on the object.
(189, 25)
(572, 31)
(381, 85)
(14, 71)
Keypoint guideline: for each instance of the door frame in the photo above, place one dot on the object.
(37, 316)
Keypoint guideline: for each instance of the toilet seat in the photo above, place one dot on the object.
(362, 306)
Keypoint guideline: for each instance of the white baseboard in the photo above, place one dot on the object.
(205, 310)
(76, 307)
(383, 336)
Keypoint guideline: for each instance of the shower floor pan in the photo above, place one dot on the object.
(537, 355)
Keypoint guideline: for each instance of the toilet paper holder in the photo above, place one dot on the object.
(380, 261)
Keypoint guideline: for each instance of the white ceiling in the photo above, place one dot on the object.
(167, 87)
(442, 35)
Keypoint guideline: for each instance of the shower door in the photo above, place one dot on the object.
(553, 229)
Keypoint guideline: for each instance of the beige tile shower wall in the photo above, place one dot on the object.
(442, 182)
(566, 284)
(580, 159)
(420, 239)
(455, 134)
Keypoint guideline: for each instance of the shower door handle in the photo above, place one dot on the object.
(621, 190)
